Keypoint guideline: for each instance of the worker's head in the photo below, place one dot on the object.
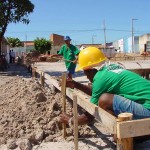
(90, 73)
(67, 40)
(90, 57)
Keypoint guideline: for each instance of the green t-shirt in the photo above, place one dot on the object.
(69, 53)
(116, 80)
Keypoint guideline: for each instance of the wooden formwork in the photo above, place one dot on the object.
(127, 58)
(123, 127)
(140, 67)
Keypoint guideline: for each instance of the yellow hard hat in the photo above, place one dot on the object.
(90, 57)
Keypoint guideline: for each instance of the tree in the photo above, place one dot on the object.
(42, 45)
(14, 42)
(13, 11)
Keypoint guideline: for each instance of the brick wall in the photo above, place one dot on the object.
(57, 40)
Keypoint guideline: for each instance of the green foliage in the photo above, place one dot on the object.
(42, 45)
(14, 11)
(14, 42)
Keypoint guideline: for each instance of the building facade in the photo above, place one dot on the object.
(56, 39)
(143, 42)
(5, 47)
(124, 45)
(28, 46)
(57, 42)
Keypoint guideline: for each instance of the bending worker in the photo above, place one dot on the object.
(69, 53)
(114, 89)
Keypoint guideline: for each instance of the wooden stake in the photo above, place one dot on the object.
(75, 121)
(63, 92)
(33, 72)
(42, 78)
(126, 143)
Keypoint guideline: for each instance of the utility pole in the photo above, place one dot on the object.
(104, 28)
(132, 33)
(93, 38)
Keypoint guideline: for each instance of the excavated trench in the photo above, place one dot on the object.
(29, 111)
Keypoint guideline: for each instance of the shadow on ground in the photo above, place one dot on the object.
(14, 70)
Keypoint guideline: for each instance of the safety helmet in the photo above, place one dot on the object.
(66, 38)
(90, 57)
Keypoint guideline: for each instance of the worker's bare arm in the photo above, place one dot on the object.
(84, 88)
(82, 119)
(56, 55)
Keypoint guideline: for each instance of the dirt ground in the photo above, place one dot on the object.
(29, 115)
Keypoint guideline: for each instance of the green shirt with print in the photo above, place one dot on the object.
(116, 80)
(69, 53)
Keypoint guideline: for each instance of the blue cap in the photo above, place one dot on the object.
(66, 38)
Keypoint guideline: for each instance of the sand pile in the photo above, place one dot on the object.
(30, 113)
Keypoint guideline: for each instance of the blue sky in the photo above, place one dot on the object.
(83, 20)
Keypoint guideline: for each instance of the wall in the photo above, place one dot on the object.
(115, 45)
(142, 41)
(4, 46)
(55, 49)
(121, 45)
(125, 44)
(56, 39)
(136, 44)
(19, 51)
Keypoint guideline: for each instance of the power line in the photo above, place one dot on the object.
(76, 31)
(84, 30)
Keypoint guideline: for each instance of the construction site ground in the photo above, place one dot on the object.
(29, 114)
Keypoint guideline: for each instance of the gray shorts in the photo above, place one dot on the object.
(122, 105)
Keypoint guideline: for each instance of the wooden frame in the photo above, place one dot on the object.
(123, 129)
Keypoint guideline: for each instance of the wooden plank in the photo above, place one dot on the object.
(101, 115)
(127, 129)
(124, 143)
(63, 92)
(42, 78)
(140, 70)
(133, 128)
(33, 73)
(52, 81)
(83, 100)
(75, 113)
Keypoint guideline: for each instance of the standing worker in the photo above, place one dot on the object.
(12, 56)
(69, 53)
(114, 89)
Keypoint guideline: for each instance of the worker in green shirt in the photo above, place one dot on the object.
(114, 89)
(69, 53)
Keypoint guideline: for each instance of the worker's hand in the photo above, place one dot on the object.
(64, 118)
(74, 61)
(70, 84)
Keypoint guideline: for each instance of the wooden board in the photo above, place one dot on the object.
(52, 81)
(101, 115)
(125, 129)
(63, 92)
(107, 119)
(133, 128)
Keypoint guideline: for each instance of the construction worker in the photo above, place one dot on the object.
(69, 52)
(114, 89)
